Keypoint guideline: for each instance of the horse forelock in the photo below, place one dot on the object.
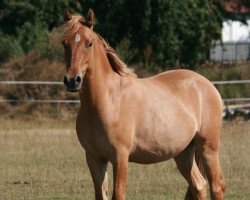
(73, 25)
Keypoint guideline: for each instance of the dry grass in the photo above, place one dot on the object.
(43, 160)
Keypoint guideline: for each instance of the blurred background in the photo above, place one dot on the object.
(40, 156)
(211, 37)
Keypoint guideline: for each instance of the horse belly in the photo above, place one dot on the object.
(146, 152)
(149, 156)
(162, 136)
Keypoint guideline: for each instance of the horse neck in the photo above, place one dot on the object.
(100, 80)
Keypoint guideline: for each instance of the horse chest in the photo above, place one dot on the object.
(93, 140)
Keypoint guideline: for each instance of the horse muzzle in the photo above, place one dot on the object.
(73, 84)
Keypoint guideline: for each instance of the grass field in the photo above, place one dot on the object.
(43, 160)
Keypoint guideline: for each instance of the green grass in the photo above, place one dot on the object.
(44, 160)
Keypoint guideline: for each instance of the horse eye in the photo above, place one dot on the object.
(90, 44)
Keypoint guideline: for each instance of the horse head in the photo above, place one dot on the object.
(78, 42)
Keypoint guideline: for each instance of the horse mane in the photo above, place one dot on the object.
(116, 63)
(118, 66)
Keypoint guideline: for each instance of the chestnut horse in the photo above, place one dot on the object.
(122, 118)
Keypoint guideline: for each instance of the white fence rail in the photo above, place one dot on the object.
(31, 83)
(230, 82)
(54, 101)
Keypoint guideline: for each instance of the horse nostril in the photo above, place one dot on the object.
(72, 83)
(78, 79)
(65, 81)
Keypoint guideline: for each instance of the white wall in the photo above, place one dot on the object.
(235, 31)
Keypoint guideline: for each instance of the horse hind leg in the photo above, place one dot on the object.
(207, 144)
(188, 167)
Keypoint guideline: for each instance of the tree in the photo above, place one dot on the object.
(178, 31)
(25, 24)
(157, 32)
(161, 32)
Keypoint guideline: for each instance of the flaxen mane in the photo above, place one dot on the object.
(77, 21)
(116, 63)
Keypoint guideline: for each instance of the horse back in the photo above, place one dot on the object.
(193, 90)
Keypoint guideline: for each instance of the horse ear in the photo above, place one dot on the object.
(66, 15)
(91, 18)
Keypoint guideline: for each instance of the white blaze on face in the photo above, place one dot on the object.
(77, 38)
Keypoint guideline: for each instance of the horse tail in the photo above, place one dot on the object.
(201, 167)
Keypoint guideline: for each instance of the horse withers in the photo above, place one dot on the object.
(176, 114)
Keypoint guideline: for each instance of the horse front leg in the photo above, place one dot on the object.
(120, 173)
(98, 170)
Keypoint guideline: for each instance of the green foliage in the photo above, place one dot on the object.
(26, 24)
(35, 38)
(161, 32)
(155, 32)
(9, 48)
(182, 31)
